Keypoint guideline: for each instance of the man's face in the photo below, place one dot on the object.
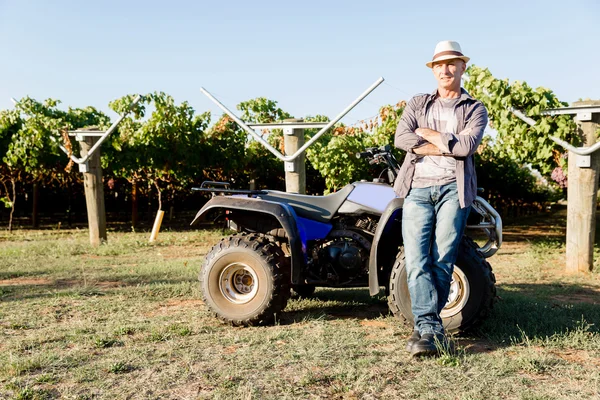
(448, 72)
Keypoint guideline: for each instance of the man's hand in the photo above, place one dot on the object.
(428, 149)
(432, 137)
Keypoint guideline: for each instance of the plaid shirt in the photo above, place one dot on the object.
(472, 120)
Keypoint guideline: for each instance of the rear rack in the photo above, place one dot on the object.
(223, 187)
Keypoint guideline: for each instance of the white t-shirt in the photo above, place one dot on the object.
(438, 170)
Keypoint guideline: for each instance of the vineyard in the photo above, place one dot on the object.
(163, 149)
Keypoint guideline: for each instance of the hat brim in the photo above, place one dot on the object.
(447, 57)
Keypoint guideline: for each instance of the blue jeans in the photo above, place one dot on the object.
(432, 226)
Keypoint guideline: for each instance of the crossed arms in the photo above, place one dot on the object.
(424, 141)
(434, 147)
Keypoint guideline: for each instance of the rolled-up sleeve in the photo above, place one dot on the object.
(406, 138)
(465, 143)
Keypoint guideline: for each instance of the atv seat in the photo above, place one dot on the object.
(318, 208)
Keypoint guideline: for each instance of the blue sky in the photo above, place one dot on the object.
(313, 57)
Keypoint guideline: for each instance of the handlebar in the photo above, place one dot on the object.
(371, 152)
(381, 155)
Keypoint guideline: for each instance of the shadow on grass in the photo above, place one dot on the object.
(22, 274)
(540, 312)
(532, 312)
(541, 228)
(43, 288)
(328, 304)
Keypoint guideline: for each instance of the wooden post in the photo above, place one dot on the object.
(94, 193)
(134, 203)
(295, 171)
(35, 221)
(582, 195)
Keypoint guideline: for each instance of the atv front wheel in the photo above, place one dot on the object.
(244, 280)
(472, 291)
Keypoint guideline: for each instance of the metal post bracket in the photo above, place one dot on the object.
(301, 150)
(84, 167)
(582, 151)
(581, 114)
(81, 135)
(584, 116)
(583, 161)
(290, 166)
(582, 111)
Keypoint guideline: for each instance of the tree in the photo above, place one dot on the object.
(259, 162)
(10, 124)
(31, 134)
(333, 155)
(167, 150)
(516, 139)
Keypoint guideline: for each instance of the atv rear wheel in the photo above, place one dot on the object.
(472, 291)
(244, 280)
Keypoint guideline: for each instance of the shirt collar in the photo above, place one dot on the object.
(464, 95)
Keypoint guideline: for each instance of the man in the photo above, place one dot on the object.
(440, 132)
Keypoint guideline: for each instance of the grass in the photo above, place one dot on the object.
(125, 320)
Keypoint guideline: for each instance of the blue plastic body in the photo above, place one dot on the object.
(312, 230)
(308, 229)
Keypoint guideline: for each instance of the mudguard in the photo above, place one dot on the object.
(392, 211)
(282, 212)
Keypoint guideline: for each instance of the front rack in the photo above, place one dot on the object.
(491, 224)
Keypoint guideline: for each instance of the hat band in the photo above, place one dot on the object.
(448, 53)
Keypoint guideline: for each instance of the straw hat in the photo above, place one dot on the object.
(447, 50)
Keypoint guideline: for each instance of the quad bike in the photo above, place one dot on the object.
(351, 238)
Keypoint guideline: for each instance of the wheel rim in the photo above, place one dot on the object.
(459, 294)
(238, 283)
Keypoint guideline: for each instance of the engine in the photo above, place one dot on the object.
(340, 260)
